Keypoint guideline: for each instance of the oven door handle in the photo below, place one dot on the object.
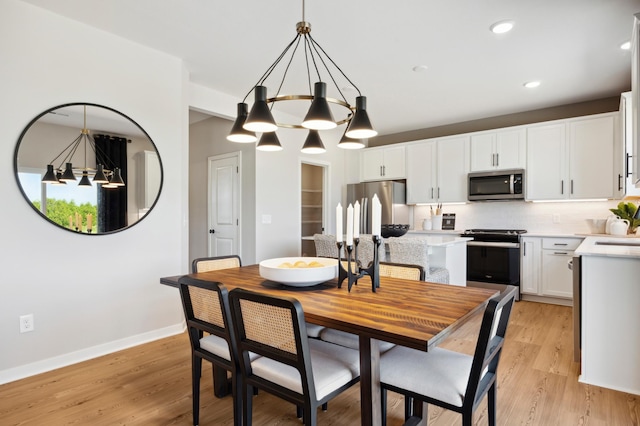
(492, 244)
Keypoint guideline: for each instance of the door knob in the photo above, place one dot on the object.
(212, 231)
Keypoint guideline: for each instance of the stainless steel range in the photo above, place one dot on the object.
(493, 258)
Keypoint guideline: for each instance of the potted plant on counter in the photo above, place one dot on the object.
(628, 211)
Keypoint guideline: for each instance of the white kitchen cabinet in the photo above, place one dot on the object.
(422, 178)
(557, 279)
(530, 265)
(544, 272)
(626, 154)
(383, 163)
(498, 150)
(572, 159)
(437, 170)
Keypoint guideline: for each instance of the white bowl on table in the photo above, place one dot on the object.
(272, 270)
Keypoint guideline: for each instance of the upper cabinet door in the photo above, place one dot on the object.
(500, 150)
(546, 173)
(383, 163)
(421, 172)
(483, 155)
(511, 149)
(453, 167)
(591, 164)
(372, 162)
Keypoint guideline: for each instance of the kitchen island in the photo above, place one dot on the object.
(609, 293)
(447, 251)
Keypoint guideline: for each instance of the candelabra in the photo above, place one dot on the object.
(353, 274)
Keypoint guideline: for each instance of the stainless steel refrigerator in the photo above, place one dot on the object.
(392, 196)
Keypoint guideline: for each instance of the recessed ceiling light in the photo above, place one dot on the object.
(531, 84)
(501, 27)
(420, 68)
(626, 45)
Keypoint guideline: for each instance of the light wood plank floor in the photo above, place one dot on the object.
(150, 385)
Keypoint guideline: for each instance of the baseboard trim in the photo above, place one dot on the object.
(49, 364)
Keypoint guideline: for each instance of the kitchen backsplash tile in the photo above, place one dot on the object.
(555, 218)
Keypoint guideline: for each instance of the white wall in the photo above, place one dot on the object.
(89, 294)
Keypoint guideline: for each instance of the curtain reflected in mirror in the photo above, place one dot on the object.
(88, 168)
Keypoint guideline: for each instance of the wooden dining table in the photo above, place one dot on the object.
(415, 314)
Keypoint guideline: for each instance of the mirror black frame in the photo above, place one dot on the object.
(88, 104)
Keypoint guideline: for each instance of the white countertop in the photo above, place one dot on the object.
(440, 240)
(610, 247)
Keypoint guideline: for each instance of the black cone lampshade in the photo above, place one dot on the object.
(319, 116)
(116, 179)
(239, 133)
(68, 175)
(360, 125)
(260, 118)
(85, 179)
(269, 142)
(313, 144)
(50, 175)
(99, 176)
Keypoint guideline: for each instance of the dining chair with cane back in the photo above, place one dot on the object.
(204, 264)
(306, 372)
(402, 270)
(213, 263)
(449, 379)
(206, 310)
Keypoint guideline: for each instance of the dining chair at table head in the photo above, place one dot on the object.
(366, 248)
(402, 270)
(306, 372)
(206, 309)
(204, 264)
(325, 245)
(415, 251)
(449, 379)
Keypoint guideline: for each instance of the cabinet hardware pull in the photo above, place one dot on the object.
(627, 169)
(559, 244)
(432, 192)
(619, 182)
(438, 192)
(564, 253)
(497, 159)
(571, 186)
(384, 170)
(381, 171)
(562, 187)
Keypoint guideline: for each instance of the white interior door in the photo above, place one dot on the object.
(224, 204)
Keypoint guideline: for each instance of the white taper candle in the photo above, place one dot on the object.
(356, 220)
(339, 223)
(350, 225)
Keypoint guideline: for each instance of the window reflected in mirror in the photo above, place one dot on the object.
(88, 168)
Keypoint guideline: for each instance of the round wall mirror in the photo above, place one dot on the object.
(88, 168)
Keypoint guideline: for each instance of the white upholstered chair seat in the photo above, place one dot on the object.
(348, 340)
(333, 367)
(440, 374)
(218, 346)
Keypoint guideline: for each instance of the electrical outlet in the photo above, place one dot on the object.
(26, 323)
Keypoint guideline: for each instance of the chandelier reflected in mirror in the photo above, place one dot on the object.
(107, 177)
(319, 115)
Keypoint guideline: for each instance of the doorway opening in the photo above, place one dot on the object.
(313, 184)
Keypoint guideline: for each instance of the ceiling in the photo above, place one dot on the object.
(571, 46)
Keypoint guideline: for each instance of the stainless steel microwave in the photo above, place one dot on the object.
(496, 185)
